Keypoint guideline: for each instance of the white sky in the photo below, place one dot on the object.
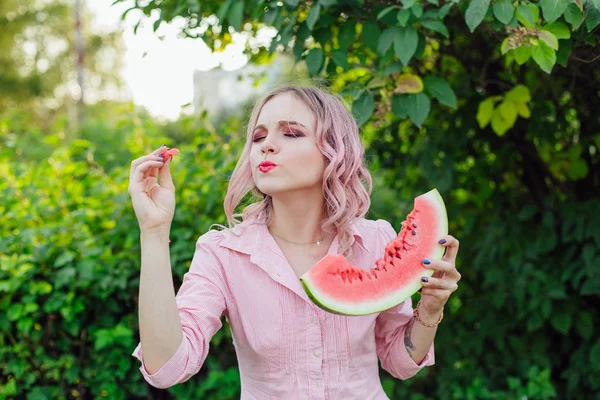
(162, 80)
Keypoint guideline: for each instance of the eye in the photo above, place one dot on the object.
(294, 134)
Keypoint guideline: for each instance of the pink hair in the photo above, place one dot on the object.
(345, 176)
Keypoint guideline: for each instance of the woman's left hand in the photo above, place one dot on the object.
(443, 283)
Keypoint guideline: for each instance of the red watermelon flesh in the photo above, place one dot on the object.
(342, 288)
(169, 153)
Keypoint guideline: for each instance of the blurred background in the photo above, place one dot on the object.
(494, 104)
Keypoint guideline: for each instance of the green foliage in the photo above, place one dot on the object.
(353, 35)
(69, 272)
(38, 53)
(496, 106)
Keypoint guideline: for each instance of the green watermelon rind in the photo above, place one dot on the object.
(400, 296)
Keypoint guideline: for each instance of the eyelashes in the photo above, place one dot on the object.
(292, 135)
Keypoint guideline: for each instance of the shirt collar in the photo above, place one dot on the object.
(240, 238)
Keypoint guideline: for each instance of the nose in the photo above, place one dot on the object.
(269, 144)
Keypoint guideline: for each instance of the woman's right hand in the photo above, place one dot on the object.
(153, 203)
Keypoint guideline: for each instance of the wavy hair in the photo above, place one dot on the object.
(347, 183)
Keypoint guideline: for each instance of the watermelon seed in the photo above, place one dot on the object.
(414, 225)
(414, 232)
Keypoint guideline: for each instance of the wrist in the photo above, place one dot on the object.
(155, 233)
(428, 318)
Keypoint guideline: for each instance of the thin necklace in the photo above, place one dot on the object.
(318, 242)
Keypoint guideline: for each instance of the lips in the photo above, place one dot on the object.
(266, 166)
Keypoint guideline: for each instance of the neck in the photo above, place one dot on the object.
(298, 218)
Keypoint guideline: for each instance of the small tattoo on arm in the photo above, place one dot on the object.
(407, 342)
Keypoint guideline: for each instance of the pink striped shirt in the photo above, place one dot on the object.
(287, 347)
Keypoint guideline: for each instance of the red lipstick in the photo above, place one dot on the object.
(266, 166)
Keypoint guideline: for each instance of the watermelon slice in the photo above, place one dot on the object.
(169, 153)
(337, 286)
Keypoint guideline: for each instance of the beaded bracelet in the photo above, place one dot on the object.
(416, 315)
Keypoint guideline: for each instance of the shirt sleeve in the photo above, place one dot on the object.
(391, 325)
(201, 301)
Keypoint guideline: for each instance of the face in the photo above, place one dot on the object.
(291, 146)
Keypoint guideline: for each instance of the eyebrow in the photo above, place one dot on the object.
(281, 122)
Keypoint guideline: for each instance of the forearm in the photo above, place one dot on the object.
(160, 326)
(418, 338)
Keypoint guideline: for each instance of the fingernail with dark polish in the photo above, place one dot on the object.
(426, 262)
(424, 279)
(442, 241)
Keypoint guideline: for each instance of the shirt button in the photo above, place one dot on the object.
(318, 384)
(317, 354)
(315, 321)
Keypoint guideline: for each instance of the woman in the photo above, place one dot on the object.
(303, 159)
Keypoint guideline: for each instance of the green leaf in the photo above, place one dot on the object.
(523, 110)
(553, 9)
(314, 61)
(441, 90)
(370, 34)
(10, 389)
(484, 112)
(585, 324)
(592, 19)
(522, 54)
(505, 46)
(549, 39)
(347, 34)
(409, 83)
(596, 4)
(476, 12)
(386, 11)
(313, 16)
(595, 354)
(559, 30)
(573, 16)
(528, 15)
(591, 287)
(340, 57)
(400, 105)
(64, 258)
(436, 26)
(504, 11)
(405, 43)
(236, 15)
(564, 51)
(403, 17)
(222, 12)
(363, 108)
(291, 3)
(544, 56)
(392, 68)
(386, 39)
(504, 117)
(561, 321)
(407, 3)
(328, 3)
(418, 107)
(445, 9)
(417, 10)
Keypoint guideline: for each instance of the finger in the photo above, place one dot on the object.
(438, 274)
(438, 283)
(140, 160)
(440, 294)
(438, 265)
(166, 180)
(451, 243)
(137, 179)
